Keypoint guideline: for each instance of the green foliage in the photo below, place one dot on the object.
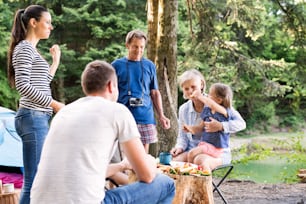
(249, 15)
(289, 148)
(247, 44)
(295, 156)
(84, 30)
(251, 152)
(295, 122)
(4, 33)
(263, 111)
(257, 47)
(8, 96)
(100, 34)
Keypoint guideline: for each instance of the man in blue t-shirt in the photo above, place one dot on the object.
(138, 88)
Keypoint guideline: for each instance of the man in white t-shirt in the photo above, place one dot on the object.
(80, 143)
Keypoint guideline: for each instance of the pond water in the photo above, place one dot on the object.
(269, 170)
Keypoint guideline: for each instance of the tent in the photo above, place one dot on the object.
(10, 142)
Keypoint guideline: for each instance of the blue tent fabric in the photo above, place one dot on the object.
(10, 142)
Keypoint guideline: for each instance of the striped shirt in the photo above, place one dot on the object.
(32, 78)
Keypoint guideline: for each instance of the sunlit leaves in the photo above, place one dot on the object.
(249, 15)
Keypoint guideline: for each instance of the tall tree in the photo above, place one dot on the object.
(252, 46)
(162, 50)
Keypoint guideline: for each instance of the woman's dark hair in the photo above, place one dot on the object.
(19, 31)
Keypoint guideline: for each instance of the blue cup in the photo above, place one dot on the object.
(165, 158)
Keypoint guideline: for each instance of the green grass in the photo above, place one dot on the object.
(270, 158)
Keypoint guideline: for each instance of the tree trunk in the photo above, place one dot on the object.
(162, 48)
(193, 189)
(58, 89)
(188, 189)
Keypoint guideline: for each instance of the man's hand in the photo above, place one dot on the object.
(213, 125)
(125, 164)
(193, 153)
(165, 122)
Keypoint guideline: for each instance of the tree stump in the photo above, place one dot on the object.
(188, 189)
(302, 175)
(193, 189)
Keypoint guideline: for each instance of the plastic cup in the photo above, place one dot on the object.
(8, 188)
(165, 158)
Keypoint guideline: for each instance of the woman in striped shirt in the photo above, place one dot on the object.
(31, 74)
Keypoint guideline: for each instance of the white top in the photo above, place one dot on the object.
(78, 149)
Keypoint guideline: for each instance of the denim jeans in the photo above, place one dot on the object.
(160, 191)
(32, 126)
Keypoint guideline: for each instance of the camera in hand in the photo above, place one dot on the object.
(134, 102)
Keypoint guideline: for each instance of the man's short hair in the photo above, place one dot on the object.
(135, 34)
(96, 75)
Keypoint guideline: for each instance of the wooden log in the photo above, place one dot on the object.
(302, 171)
(188, 189)
(193, 189)
(9, 198)
(302, 175)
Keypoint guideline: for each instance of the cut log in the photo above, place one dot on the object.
(302, 175)
(188, 189)
(193, 189)
(302, 171)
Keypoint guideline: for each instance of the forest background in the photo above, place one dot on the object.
(255, 46)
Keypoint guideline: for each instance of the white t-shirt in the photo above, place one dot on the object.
(78, 149)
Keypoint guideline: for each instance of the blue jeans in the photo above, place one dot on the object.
(160, 191)
(32, 126)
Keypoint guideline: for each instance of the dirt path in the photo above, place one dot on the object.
(246, 192)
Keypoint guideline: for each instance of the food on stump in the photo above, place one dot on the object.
(183, 168)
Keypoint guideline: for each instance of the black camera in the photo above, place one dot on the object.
(135, 102)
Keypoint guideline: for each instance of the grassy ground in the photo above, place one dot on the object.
(241, 187)
(269, 158)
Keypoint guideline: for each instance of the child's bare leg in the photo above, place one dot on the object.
(193, 153)
(207, 162)
(181, 157)
(146, 147)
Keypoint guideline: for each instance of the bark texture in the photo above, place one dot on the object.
(162, 50)
(193, 189)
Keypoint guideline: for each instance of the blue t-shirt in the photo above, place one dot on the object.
(218, 139)
(138, 77)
